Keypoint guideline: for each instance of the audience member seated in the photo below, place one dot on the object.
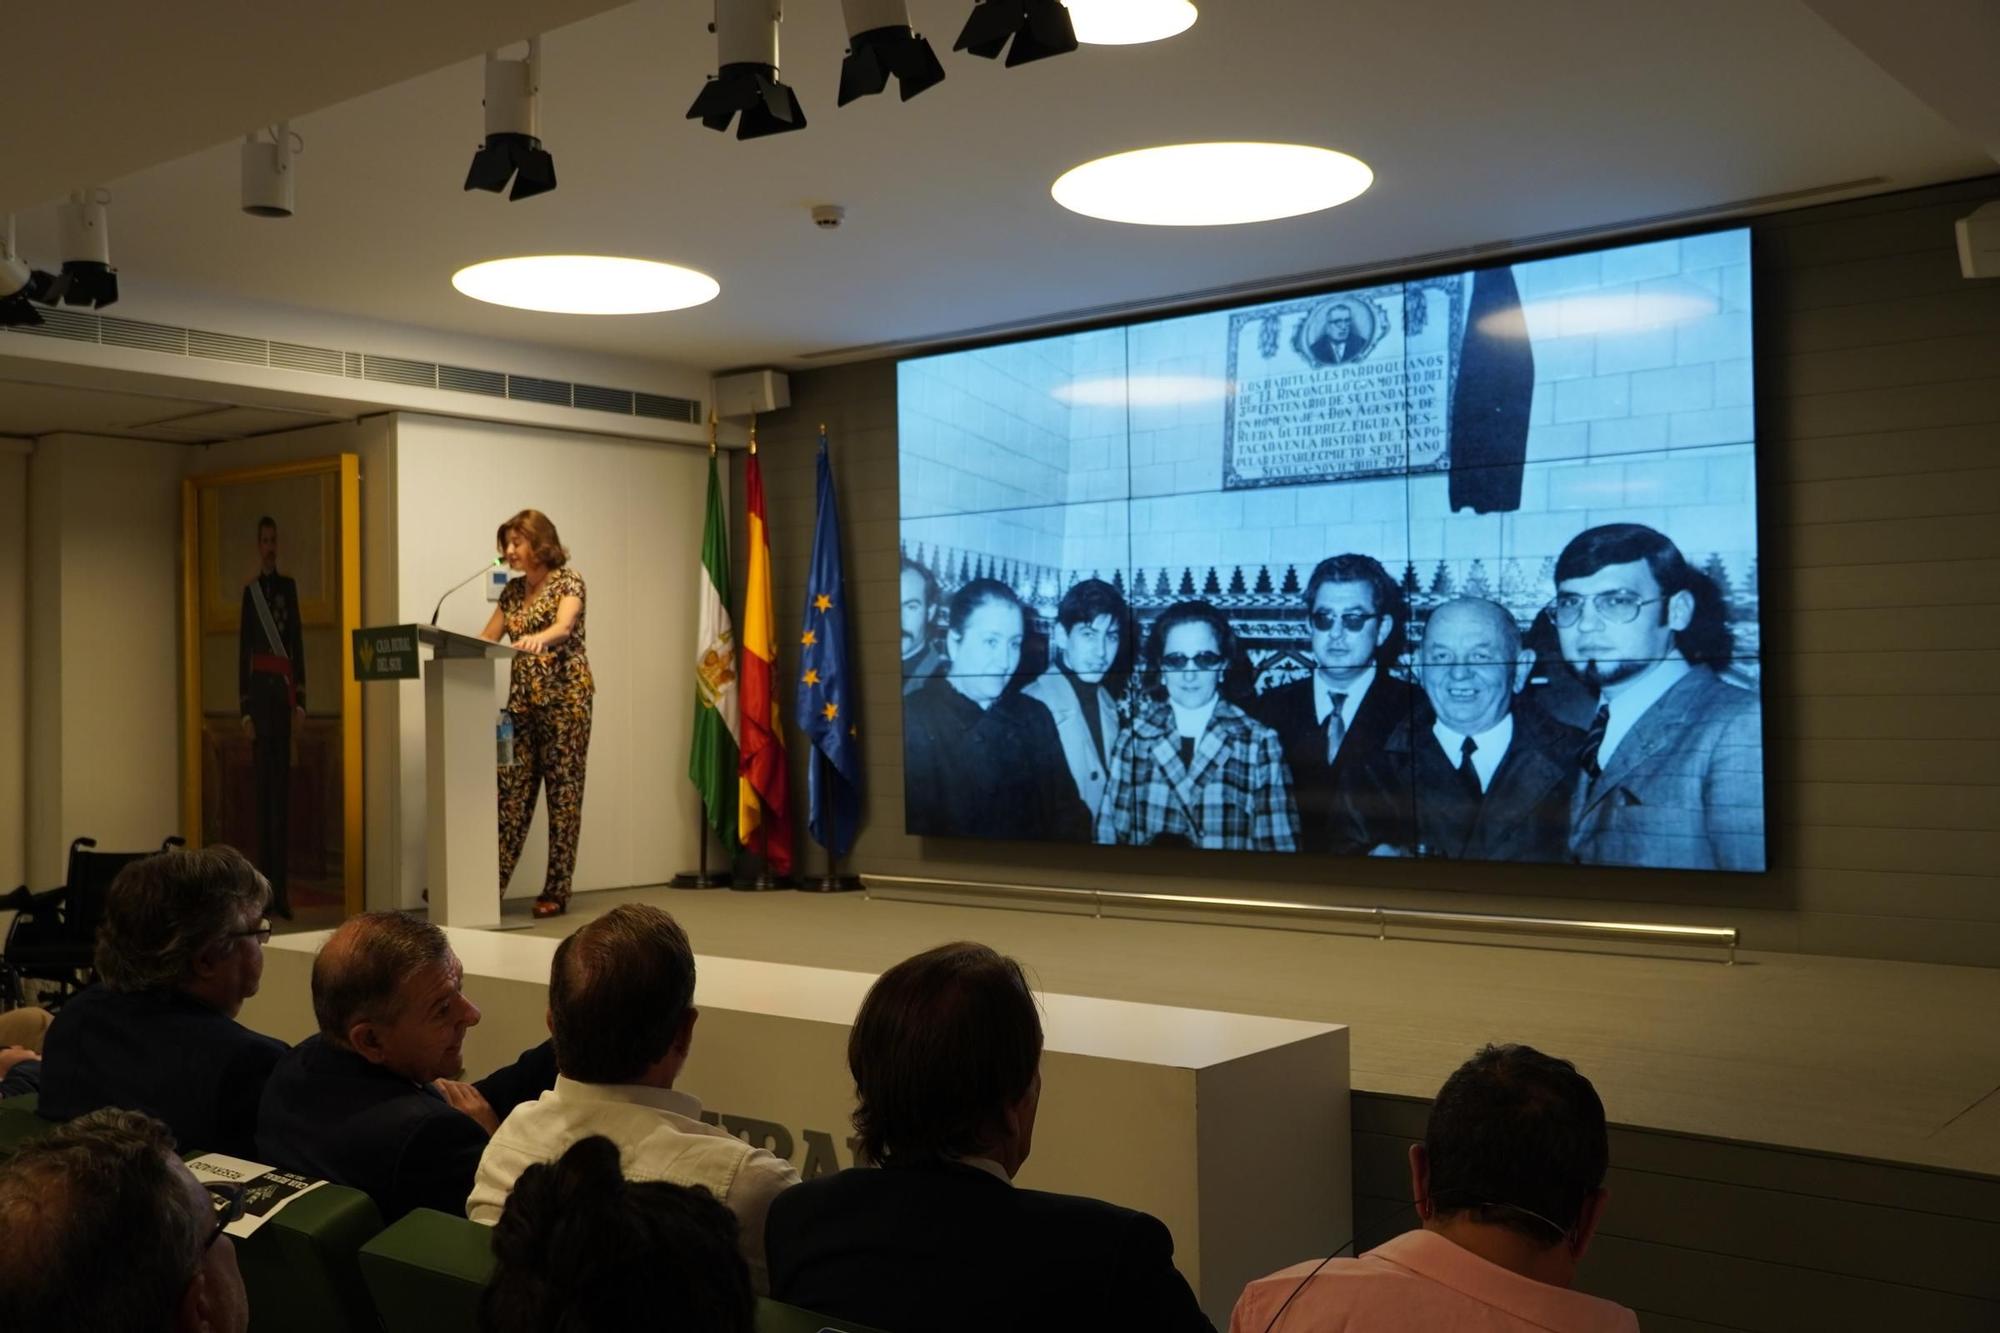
(107, 1231)
(180, 947)
(934, 1237)
(1509, 1184)
(582, 1250)
(21, 1034)
(371, 1100)
(621, 1008)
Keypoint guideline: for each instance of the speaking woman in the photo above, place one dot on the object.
(541, 613)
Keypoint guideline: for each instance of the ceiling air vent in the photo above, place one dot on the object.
(202, 344)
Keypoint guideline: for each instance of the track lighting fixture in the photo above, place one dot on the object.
(746, 82)
(513, 146)
(20, 286)
(87, 277)
(1038, 28)
(267, 171)
(880, 42)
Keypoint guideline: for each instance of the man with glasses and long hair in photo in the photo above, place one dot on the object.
(1673, 760)
(1195, 770)
(179, 949)
(1331, 720)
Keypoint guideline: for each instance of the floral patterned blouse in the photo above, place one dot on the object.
(562, 674)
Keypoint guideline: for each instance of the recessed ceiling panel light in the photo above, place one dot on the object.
(1129, 22)
(1212, 184)
(586, 284)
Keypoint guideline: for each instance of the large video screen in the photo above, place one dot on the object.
(1462, 566)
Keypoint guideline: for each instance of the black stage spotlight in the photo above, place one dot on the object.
(880, 42)
(513, 147)
(1039, 28)
(87, 277)
(746, 77)
(20, 286)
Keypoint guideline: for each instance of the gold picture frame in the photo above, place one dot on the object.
(315, 507)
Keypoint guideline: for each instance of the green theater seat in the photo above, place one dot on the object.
(19, 1123)
(427, 1271)
(302, 1270)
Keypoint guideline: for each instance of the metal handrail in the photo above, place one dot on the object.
(1381, 916)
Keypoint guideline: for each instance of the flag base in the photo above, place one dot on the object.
(700, 879)
(830, 884)
(764, 882)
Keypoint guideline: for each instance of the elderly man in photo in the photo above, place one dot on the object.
(621, 1008)
(371, 1100)
(180, 947)
(1509, 1187)
(107, 1231)
(1673, 761)
(1090, 630)
(1350, 703)
(1477, 773)
(919, 603)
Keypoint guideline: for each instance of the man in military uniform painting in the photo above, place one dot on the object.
(271, 684)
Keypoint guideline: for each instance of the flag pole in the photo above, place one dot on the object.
(763, 881)
(832, 881)
(702, 878)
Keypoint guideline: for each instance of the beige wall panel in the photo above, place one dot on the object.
(1919, 583)
(1970, 308)
(1971, 401)
(1941, 359)
(14, 623)
(1918, 495)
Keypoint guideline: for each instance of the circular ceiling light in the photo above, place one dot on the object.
(1212, 184)
(1129, 22)
(586, 284)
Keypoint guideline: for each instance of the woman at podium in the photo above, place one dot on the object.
(541, 613)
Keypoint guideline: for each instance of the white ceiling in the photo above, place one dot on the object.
(1484, 123)
(29, 410)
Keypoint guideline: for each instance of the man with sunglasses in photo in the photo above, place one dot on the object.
(179, 949)
(1673, 759)
(1334, 718)
(107, 1230)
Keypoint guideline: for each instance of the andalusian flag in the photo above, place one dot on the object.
(763, 795)
(712, 761)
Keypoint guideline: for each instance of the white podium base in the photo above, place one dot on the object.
(462, 792)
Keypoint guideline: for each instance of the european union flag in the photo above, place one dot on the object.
(826, 686)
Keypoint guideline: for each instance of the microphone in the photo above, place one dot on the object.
(495, 563)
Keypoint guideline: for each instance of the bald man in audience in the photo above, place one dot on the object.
(1475, 771)
(372, 1100)
(1509, 1188)
(179, 949)
(107, 1231)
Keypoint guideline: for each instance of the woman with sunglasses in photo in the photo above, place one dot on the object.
(1195, 770)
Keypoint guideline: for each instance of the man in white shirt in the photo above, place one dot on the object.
(621, 1010)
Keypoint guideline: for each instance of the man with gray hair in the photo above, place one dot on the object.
(179, 949)
(1473, 772)
(107, 1231)
(372, 1100)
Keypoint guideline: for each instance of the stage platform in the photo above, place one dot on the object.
(1897, 1062)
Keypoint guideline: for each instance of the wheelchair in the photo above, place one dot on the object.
(53, 937)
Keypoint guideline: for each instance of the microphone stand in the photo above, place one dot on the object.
(495, 563)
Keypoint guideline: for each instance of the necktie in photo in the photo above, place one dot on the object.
(1593, 741)
(1466, 772)
(1335, 728)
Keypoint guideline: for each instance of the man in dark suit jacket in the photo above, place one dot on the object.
(1481, 776)
(271, 685)
(1673, 761)
(936, 1238)
(1350, 703)
(179, 949)
(370, 1101)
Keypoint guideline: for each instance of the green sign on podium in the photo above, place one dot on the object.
(387, 652)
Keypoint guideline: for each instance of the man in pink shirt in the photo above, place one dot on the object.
(1509, 1185)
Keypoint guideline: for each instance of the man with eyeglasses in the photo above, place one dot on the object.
(1509, 1189)
(1673, 761)
(1090, 631)
(1350, 703)
(108, 1231)
(179, 949)
(1475, 773)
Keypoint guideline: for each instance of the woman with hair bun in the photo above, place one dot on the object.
(580, 1248)
(541, 612)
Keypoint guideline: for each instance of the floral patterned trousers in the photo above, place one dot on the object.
(550, 743)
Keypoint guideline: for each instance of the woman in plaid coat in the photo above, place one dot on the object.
(1194, 770)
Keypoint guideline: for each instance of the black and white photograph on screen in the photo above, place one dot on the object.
(1462, 567)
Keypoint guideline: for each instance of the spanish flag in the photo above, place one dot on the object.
(763, 795)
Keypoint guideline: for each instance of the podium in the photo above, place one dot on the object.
(461, 787)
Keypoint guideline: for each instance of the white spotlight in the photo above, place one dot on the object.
(267, 171)
(20, 285)
(746, 77)
(880, 42)
(513, 148)
(87, 277)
